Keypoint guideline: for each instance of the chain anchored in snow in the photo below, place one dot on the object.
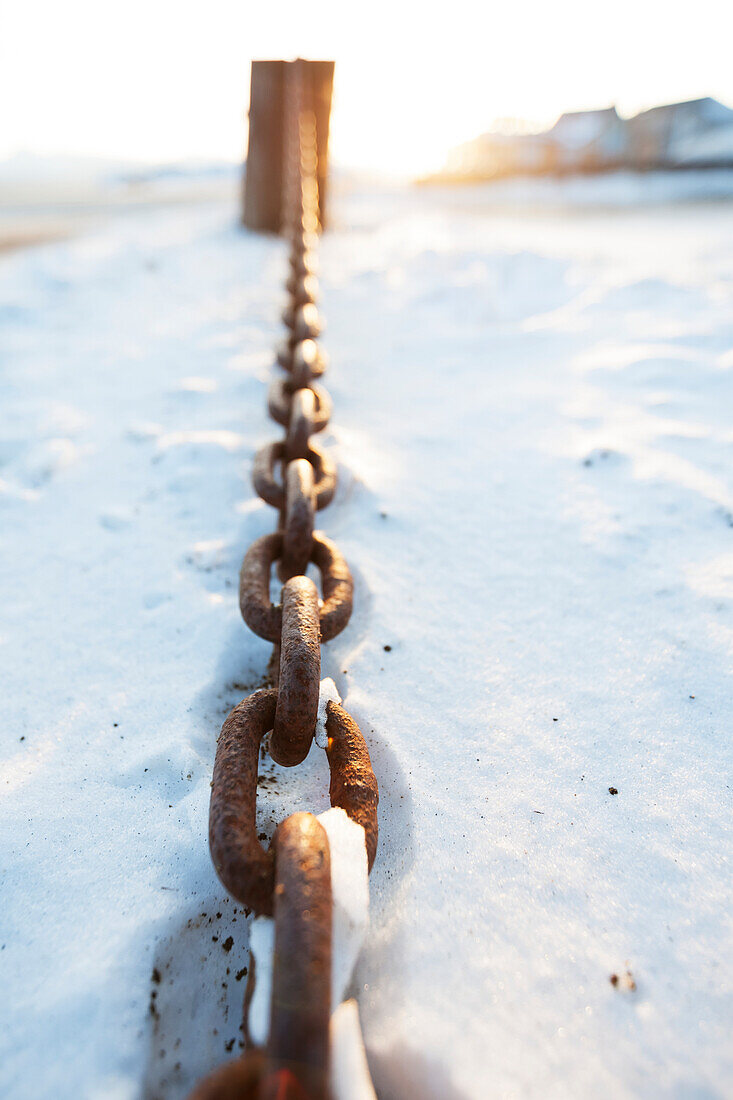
(291, 880)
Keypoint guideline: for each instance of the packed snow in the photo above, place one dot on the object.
(532, 425)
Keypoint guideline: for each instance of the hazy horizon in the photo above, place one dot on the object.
(154, 83)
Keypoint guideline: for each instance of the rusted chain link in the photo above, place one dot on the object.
(267, 486)
(301, 973)
(281, 404)
(303, 360)
(307, 416)
(242, 864)
(307, 363)
(300, 673)
(304, 261)
(298, 519)
(353, 783)
(265, 618)
(291, 879)
(302, 288)
(304, 320)
(237, 1080)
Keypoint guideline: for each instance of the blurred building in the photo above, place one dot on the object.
(587, 141)
(697, 133)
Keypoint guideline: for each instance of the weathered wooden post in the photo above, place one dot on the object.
(263, 187)
(263, 173)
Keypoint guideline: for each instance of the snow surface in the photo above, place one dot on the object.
(349, 1069)
(532, 424)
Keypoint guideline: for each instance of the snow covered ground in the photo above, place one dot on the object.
(533, 428)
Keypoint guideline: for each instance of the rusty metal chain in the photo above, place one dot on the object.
(290, 880)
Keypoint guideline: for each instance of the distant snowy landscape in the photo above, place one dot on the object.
(532, 391)
(689, 135)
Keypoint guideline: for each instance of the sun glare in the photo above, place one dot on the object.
(159, 83)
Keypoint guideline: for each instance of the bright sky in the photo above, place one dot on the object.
(168, 79)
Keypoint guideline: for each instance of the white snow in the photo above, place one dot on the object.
(350, 886)
(327, 694)
(262, 945)
(532, 424)
(349, 1067)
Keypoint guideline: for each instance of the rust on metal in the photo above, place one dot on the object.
(353, 783)
(281, 1085)
(304, 360)
(312, 360)
(300, 673)
(235, 1080)
(308, 362)
(337, 586)
(302, 288)
(304, 263)
(308, 225)
(265, 618)
(307, 322)
(301, 423)
(302, 242)
(284, 353)
(310, 411)
(242, 864)
(301, 973)
(298, 519)
(272, 491)
(288, 316)
(280, 398)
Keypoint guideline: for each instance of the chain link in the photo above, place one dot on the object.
(298, 519)
(265, 618)
(301, 975)
(273, 492)
(281, 404)
(300, 673)
(291, 879)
